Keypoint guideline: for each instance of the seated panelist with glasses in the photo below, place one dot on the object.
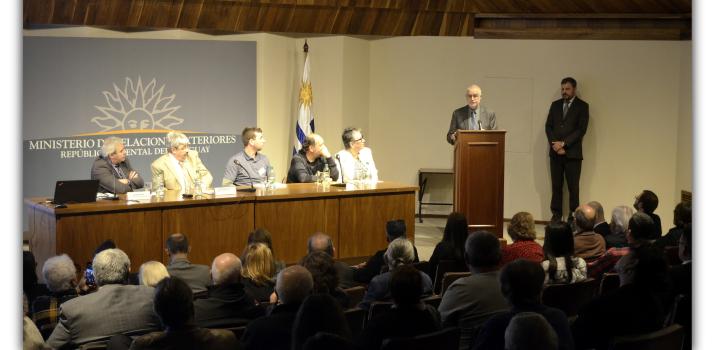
(181, 168)
(313, 158)
(113, 170)
(356, 161)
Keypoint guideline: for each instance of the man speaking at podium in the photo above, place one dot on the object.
(472, 116)
(113, 169)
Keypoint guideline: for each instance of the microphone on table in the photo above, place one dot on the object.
(252, 185)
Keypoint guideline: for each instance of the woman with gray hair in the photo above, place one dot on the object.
(59, 274)
(618, 227)
(180, 167)
(399, 252)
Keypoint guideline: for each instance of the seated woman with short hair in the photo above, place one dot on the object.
(522, 232)
(355, 158)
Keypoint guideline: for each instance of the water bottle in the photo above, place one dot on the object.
(326, 175)
(160, 190)
(197, 190)
(270, 178)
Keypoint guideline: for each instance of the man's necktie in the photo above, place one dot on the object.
(120, 172)
(566, 106)
(475, 125)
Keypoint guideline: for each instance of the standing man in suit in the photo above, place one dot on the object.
(565, 127)
(180, 167)
(472, 116)
(113, 168)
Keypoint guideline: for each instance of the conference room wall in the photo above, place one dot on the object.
(639, 94)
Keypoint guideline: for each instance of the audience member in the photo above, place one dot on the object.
(640, 233)
(31, 288)
(325, 277)
(681, 278)
(258, 272)
(601, 226)
(152, 272)
(618, 227)
(634, 308)
(196, 276)
(409, 316)
(32, 339)
(262, 235)
(114, 308)
(319, 313)
(530, 331)
(682, 216)
(173, 304)
(61, 279)
(561, 265)
(328, 341)
(521, 282)
(323, 243)
(646, 202)
(470, 301)
(294, 284)
(87, 281)
(452, 245)
(522, 232)
(399, 252)
(227, 303)
(588, 244)
(367, 270)
(640, 228)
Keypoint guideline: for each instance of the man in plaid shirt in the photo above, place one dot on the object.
(59, 273)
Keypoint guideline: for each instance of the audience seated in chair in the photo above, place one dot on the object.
(408, 317)
(325, 277)
(114, 308)
(681, 278)
(294, 284)
(258, 272)
(366, 271)
(61, 279)
(151, 273)
(530, 331)
(399, 252)
(522, 232)
(561, 265)
(470, 301)
(319, 313)
(86, 286)
(640, 228)
(588, 244)
(601, 226)
(320, 242)
(177, 247)
(521, 282)
(262, 235)
(328, 341)
(452, 245)
(646, 202)
(638, 306)
(682, 216)
(227, 303)
(173, 304)
(618, 227)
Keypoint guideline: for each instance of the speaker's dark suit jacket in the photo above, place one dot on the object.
(570, 129)
(461, 120)
(103, 170)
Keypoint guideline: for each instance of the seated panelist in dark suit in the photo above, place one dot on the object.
(113, 168)
(312, 158)
(472, 116)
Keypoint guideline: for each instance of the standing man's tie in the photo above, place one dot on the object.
(474, 120)
(566, 106)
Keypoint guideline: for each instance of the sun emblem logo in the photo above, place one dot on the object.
(136, 107)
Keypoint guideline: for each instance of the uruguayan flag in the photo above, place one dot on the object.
(306, 120)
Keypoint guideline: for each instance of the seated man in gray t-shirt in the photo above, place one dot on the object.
(249, 166)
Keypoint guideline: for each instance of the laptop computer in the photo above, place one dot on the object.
(75, 191)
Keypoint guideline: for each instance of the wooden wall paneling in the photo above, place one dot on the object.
(135, 232)
(291, 222)
(211, 229)
(41, 227)
(362, 222)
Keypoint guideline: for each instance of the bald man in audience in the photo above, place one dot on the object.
(274, 331)
(320, 242)
(227, 303)
(588, 244)
(601, 225)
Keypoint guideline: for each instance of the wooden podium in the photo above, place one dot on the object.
(479, 167)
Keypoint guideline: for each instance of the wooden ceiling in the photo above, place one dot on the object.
(531, 19)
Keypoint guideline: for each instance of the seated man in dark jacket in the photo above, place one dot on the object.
(367, 270)
(227, 303)
(313, 157)
(274, 332)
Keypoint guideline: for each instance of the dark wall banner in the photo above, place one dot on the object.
(78, 91)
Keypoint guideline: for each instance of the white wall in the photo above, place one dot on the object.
(401, 92)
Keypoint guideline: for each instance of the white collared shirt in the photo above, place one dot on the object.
(179, 173)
